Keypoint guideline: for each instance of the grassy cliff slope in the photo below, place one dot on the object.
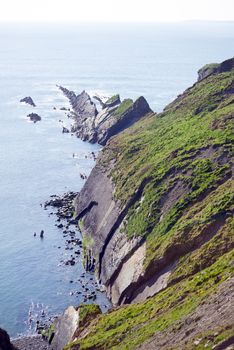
(182, 158)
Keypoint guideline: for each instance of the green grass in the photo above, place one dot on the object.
(183, 156)
(129, 326)
(167, 148)
(122, 108)
(112, 99)
(86, 311)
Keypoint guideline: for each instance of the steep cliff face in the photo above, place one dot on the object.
(115, 116)
(157, 215)
(145, 209)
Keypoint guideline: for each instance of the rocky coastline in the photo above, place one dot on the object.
(156, 220)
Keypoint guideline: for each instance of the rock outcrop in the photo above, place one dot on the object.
(72, 324)
(34, 117)
(215, 68)
(114, 117)
(28, 100)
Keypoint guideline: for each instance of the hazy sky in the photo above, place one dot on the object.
(116, 10)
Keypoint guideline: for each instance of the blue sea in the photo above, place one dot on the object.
(36, 160)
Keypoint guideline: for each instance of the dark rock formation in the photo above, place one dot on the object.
(215, 68)
(34, 117)
(65, 130)
(28, 100)
(5, 343)
(89, 125)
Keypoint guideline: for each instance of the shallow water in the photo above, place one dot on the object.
(36, 160)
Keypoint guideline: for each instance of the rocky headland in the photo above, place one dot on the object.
(114, 116)
(156, 215)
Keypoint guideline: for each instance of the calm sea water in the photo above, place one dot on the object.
(157, 61)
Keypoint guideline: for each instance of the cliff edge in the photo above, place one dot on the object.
(156, 214)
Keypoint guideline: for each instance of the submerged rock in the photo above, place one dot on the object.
(28, 100)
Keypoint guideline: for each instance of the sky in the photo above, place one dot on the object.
(115, 10)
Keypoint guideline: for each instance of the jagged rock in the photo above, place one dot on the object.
(100, 100)
(110, 122)
(5, 343)
(65, 130)
(28, 100)
(34, 117)
(110, 102)
(82, 104)
(89, 125)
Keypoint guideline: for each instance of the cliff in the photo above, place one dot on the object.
(114, 116)
(214, 68)
(156, 215)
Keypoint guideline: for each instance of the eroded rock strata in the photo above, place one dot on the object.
(114, 116)
(156, 213)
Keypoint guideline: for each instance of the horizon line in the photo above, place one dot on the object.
(116, 21)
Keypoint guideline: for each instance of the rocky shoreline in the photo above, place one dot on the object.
(63, 209)
(31, 343)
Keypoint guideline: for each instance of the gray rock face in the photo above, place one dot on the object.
(214, 68)
(97, 209)
(119, 261)
(111, 123)
(28, 100)
(65, 328)
(89, 125)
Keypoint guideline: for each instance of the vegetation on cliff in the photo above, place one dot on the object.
(182, 161)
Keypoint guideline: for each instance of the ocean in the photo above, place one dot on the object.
(157, 61)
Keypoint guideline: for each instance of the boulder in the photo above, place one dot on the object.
(65, 130)
(5, 343)
(34, 117)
